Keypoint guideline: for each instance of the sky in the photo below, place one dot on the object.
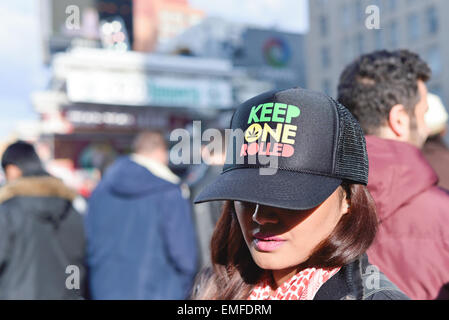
(20, 62)
(285, 15)
(21, 66)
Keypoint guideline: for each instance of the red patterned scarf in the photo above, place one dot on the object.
(302, 286)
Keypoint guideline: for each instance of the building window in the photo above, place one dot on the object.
(432, 20)
(345, 11)
(359, 44)
(393, 35)
(378, 39)
(359, 11)
(433, 58)
(325, 57)
(392, 5)
(413, 27)
(324, 28)
(347, 51)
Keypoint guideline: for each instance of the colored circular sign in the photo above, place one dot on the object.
(276, 52)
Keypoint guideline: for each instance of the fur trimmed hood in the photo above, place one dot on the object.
(45, 186)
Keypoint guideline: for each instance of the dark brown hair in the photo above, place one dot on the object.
(234, 273)
(371, 85)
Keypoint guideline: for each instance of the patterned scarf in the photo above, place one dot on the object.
(302, 286)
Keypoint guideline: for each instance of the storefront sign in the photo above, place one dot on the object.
(135, 89)
(118, 117)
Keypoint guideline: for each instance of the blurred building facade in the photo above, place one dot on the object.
(147, 23)
(98, 100)
(158, 21)
(64, 22)
(265, 54)
(338, 34)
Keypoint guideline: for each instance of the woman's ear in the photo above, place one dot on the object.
(346, 205)
(345, 201)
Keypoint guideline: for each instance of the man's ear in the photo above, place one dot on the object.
(399, 122)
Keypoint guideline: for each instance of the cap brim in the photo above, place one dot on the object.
(285, 189)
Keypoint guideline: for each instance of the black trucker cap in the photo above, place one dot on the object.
(311, 143)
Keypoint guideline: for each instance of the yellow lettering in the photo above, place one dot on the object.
(289, 131)
(276, 134)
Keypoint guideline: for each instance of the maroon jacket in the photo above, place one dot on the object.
(412, 244)
(437, 153)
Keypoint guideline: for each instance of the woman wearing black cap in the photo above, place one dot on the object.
(299, 231)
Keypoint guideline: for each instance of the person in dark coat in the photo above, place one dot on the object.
(42, 246)
(386, 92)
(141, 238)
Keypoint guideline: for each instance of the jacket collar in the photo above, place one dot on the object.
(158, 169)
(45, 186)
(347, 284)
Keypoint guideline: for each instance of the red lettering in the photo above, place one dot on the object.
(253, 148)
(277, 149)
(265, 152)
(287, 151)
(267, 149)
(243, 150)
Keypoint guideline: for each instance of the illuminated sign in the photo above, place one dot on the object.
(135, 89)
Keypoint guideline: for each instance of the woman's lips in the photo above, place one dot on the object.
(267, 242)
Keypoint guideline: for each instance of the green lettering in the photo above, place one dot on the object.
(266, 110)
(253, 114)
(279, 110)
(292, 112)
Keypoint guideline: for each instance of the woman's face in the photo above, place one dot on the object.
(280, 239)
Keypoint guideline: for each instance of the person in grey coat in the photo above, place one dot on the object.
(42, 244)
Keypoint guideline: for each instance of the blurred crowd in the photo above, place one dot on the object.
(138, 235)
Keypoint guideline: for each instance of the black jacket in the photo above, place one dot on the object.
(41, 241)
(359, 280)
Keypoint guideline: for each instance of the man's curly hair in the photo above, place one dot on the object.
(371, 85)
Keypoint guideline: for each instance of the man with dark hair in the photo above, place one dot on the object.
(141, 239)
(386, 91)
(20, 159)
(42, 246)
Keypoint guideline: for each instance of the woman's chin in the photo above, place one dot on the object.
(271, 261)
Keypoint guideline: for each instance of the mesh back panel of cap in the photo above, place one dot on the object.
(352, 157)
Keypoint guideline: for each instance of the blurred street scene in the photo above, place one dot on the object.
(82, 78)
(108, 69)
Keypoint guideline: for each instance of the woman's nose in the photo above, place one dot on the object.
(263, 215)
